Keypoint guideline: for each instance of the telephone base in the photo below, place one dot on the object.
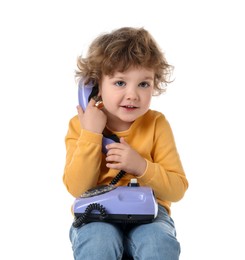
(121, 204)
(120, 218)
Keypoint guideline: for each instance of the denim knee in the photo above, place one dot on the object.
(156, 240)
(97, 241)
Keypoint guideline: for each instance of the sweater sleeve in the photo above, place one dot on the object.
(83, 158)
(164, 173)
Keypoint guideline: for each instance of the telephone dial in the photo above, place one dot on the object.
(111, 203)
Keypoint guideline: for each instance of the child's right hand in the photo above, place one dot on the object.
(92, 119)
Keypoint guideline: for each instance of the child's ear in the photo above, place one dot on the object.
(99, 90)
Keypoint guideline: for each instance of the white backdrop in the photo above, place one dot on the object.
(40, 41)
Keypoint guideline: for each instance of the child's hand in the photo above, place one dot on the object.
(92, 119)
(121, 156)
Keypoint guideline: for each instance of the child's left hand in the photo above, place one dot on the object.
(121, 156)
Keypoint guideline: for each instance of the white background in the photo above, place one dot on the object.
(40, 41)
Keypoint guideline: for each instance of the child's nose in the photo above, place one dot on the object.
(132, 94)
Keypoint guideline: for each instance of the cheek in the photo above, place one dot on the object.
(147, 99)
(110, 98)
(104, 96)
(108, 101)
(148, 103)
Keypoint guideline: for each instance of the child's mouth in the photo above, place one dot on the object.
(129, 107)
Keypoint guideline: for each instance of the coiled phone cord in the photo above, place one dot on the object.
(82, 219)
(78, 221)
(117, 178)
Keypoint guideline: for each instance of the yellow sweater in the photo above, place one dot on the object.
(150, 135)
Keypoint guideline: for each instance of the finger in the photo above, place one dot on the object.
(91, 103)
(80, 114)
(116, 166)
(119, 146)
(122, 141)
(113, 158)
(112, 146)
(79, 110)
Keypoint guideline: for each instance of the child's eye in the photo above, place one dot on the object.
(120, 83)
(144, 84)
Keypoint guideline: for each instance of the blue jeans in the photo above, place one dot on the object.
(107, 241)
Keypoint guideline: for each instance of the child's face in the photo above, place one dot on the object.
(126, 96)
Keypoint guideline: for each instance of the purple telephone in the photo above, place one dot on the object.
(109, 203)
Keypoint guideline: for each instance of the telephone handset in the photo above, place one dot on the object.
(85, 93)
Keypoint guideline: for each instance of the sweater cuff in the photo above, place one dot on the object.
(147, 175)
(90, 137)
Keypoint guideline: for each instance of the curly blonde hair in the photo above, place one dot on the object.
(121, 49)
